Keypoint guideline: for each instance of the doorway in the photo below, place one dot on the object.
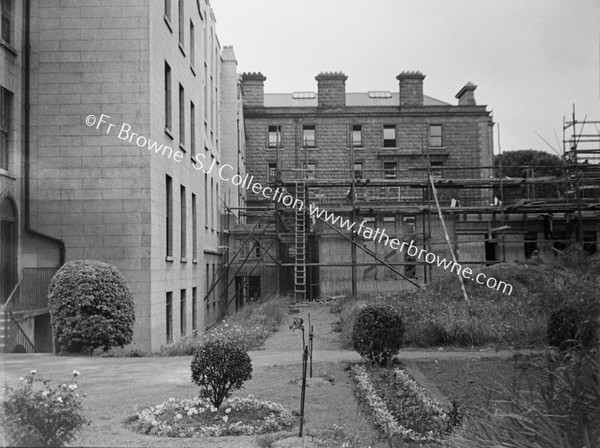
(8, 248)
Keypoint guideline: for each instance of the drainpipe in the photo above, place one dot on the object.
(26, 150)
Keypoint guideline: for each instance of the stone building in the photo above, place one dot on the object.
(365, 156)
(124, 102)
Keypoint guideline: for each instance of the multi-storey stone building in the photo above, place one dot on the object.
(365, 156)
(113, 104)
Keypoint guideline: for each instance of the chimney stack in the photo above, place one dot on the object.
(253, 89)
(331, 89)
(411, 89)
(466, 95)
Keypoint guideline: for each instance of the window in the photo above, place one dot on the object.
(181, 32)
(271, 172)
(357, 136)
(168, 10)
(192, 45)
(6, 20)
(274, 136)
(205, 201)
(169, 317)
(389, 136)
(212, 204)
(206, 298)
(435, 135)
(5, 118)
(310, 168)
(181, 115)
(183, 312)
(192, 129)
(217, 206)
(183, 227)
(194, 308)
(410, 226)
(358, 170)
(410, 270)
(436, 169)
(194, 228)
(214, 278)
(257, 249)
(169, 216)
(390, 170)
(205, 97)
(210, 103)
(308, 136)
(168, 118)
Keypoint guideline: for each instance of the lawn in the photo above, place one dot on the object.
(117, 387)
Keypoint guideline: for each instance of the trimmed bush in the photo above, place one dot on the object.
(91, 306)
(568, 329)
(220, 367)
(377, 334)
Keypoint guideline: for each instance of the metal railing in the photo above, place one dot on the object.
(15, 339)
(31, 297)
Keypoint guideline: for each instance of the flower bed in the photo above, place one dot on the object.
(399, 406)
(198, 417)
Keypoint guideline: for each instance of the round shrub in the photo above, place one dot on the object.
(91, 306)
(377, 334)
(568, 329)
(220, 367)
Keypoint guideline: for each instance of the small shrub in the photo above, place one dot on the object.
(568, 329)
(220, 367)
(91, 306)
(377, 334)
(42, 416)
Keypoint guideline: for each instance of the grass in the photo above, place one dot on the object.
(249, 327)
(439, 316)
(117, 388)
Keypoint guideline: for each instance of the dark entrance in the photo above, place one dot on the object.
(490, 250)
(43, 334)
(8, 248)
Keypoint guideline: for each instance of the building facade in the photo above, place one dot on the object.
(124, 108)
(366, 157)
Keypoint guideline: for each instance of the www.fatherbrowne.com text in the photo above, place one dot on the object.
(227, 173)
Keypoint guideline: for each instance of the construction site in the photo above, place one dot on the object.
(476, 215)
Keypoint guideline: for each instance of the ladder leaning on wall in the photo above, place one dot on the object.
(300, 246)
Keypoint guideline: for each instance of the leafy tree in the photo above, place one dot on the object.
(528, 163)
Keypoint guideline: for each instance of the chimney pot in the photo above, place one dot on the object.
(331, 89)
(253, 89)
(411, 88)
(466, 95)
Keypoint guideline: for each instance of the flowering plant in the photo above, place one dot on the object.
(408, 412)
(42, 416)
(199, 417)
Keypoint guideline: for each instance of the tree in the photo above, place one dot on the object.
(528, 163)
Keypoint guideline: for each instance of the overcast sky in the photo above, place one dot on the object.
(531, 59)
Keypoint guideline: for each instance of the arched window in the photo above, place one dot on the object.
(8, 248)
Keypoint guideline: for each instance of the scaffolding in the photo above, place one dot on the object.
(551, 212)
